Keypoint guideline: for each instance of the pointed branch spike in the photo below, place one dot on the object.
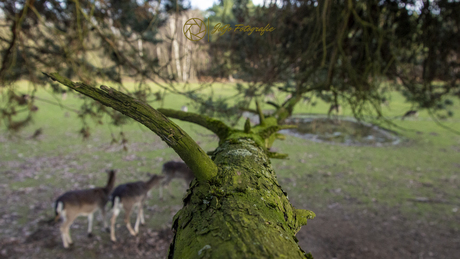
(247, 126)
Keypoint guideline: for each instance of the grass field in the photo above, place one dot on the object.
(416, 182)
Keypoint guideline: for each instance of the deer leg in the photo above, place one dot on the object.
(169, 191)
(165, 184)
(128, 209)
(104, 220)
(67, 229)
(66, 239)
(90, 224)
(62, 229)
(116, 211)
(161, 192)
(142, 215)
(136, 225)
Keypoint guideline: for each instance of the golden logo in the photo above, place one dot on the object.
(242, 28)
(194, 29)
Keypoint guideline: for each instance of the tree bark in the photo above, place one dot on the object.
(244, 213)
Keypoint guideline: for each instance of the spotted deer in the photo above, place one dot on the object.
(172, 170)
(128, 196)
(76, 203)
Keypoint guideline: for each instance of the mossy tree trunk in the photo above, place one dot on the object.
(235, 207)
(242, 213)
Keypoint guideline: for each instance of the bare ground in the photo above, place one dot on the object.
(338, 231)
(338, 234)
(334, 233)
(45, 242)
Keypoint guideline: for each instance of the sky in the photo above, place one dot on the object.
(205, 4)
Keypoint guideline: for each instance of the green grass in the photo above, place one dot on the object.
(315, 176)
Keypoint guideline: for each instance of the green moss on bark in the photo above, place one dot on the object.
(242, 213)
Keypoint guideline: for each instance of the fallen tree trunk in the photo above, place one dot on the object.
(242, 213)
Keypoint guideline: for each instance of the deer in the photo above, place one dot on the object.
(128, 196)
(85, 202)
(175, 169)
(410, 113)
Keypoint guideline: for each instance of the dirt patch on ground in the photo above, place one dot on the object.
(45, 242)
(337, 234)
(334, 233)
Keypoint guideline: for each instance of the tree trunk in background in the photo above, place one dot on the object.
(185, 52)
(185, 57)
(159, 55)
(139, 44)
(170, 47)
(175, 48)
(244, 213)
(188, 61)
(177, 59)
(162, 59)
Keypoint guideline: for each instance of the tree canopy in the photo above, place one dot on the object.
(346, 51)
